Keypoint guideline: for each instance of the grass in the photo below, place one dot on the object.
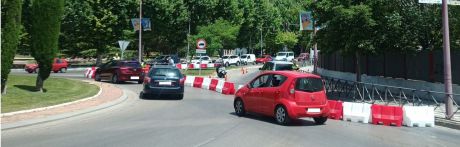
(196, 72)
(21, 93)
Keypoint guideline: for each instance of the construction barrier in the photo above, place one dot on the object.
(228, 88)
(220, 86)
(213, 84)
(190, 66)
(335, 109)
(387, 115)
(197, 82)
(90, 72)
(206, 83)
(420, 116)
(189, 80)
(356, 112)
(203, 66)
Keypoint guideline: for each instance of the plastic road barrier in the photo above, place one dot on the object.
(335, 109)
(197, 82)
(387, 115)
(220, 86)
(420, 116)
(356, 112)
(206, 83)
(229, 88)
(213, 84)
(189, 80)
(204, 66)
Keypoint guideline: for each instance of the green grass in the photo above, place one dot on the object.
(21, 94)
(196, 72)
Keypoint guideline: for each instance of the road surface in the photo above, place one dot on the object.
(206, 118)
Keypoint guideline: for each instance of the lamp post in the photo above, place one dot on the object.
(447, 66)
(140, 30)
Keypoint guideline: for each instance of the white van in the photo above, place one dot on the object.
(284, 56)
(248, 58)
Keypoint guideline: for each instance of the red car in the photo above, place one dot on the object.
(284, 95)
(263, 59)
(118, 71)
(59, 65)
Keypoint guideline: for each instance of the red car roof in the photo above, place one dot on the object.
(294, 74)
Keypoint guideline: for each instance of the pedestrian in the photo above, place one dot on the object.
(170, 61)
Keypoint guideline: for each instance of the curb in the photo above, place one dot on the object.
(446, 123)
(26, 123)
(54, 106)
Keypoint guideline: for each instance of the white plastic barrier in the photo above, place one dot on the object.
(210, 65)
(196, 66)
(206, 83)
(184, 66)
(220, 86)
(421, 116)
(356, 112)
(189, 81)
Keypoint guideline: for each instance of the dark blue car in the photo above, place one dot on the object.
(163, 80)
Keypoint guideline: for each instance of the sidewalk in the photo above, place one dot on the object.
(109, 94)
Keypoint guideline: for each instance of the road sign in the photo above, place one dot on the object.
(201, 51)
(123, 44)
(201, 44)
(450, 2)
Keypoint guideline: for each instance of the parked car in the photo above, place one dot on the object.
(284, 56)
(284, 95)
(201, 60)
(248, 58)
(231, 60)
(263, 59)
(118, 71)
(163, 79)
(162, 59)
(303, 56)
(59, 65)
(277, 66)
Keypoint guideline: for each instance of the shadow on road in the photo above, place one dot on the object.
(159, 97)
(28, 88)
(294, 123)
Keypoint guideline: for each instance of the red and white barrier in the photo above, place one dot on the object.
(387, 115)
(189, 80)
(218, 85)
(90, 72)
(196, 66)
(335, 109)
(206, 83)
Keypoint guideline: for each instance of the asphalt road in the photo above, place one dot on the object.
(206, 118)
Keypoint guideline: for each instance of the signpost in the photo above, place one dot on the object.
(123, 44)
(200, 48)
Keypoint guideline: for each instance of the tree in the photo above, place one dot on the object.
(286, 38)
(11, 25)
(46, 23)
(219, 35)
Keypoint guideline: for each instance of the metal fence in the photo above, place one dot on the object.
(384, 94)
(424, 66)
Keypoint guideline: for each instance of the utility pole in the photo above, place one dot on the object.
(261, 53)
(188, 43)
(140, 30)
(315, 52)
(447, 66)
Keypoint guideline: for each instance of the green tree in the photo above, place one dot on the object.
(289, 39)
(11, 25)
(45, 28)
(219, 35)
